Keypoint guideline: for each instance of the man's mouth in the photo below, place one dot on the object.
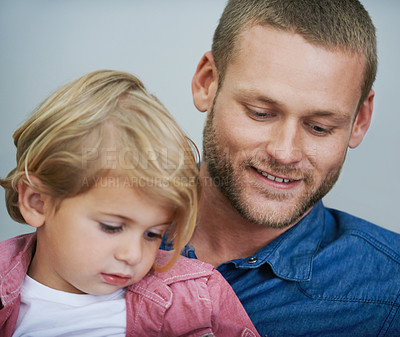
(274, 178)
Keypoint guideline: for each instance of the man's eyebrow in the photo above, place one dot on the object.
(335, 115)
(253, 95)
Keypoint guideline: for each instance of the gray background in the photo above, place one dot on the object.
(45, 44)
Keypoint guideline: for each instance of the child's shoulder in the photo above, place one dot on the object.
(15, 257)
(17, 247)
(184, 268)
(187, 281)
(192, 291)
(185, 276)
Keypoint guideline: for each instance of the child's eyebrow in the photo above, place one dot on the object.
(114, 215)
(123, 218)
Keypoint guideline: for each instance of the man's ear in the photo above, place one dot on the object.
(205, 83)
(363, 120)
(31, 201)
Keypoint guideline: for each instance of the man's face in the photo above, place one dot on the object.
(280, 124)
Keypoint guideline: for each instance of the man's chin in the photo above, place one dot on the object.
(272, 213)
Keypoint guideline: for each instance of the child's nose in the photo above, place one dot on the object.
(130, 252)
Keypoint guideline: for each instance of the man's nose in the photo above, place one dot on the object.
(285, 143)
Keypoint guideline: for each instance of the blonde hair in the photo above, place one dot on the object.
(332, 24)
(67, 141)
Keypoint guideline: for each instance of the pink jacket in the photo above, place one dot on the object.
(191, 299)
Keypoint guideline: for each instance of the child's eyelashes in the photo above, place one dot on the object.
(150, 235)
(110, 228)
(153, 235)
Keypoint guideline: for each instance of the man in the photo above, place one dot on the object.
(288, 88)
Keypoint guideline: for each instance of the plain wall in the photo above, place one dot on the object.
(45, 44)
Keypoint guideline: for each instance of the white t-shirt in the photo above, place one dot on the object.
(46, 312)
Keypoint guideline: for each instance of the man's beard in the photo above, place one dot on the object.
(227, 179)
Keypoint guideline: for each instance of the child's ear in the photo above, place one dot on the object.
(31, 202)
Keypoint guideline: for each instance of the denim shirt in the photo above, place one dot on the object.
(332, 274)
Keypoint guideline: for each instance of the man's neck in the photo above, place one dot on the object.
(222, 234)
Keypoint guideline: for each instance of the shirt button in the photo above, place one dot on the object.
(252, 259)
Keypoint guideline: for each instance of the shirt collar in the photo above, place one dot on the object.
(290, 255)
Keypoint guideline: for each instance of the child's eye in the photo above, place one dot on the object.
(153, 235)
(110, 228)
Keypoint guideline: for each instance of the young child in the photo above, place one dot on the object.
(103, 171)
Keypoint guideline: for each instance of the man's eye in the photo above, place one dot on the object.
(110, 229)
(320, 131)
(258, 115)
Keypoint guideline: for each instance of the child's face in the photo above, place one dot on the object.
(100, 241)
